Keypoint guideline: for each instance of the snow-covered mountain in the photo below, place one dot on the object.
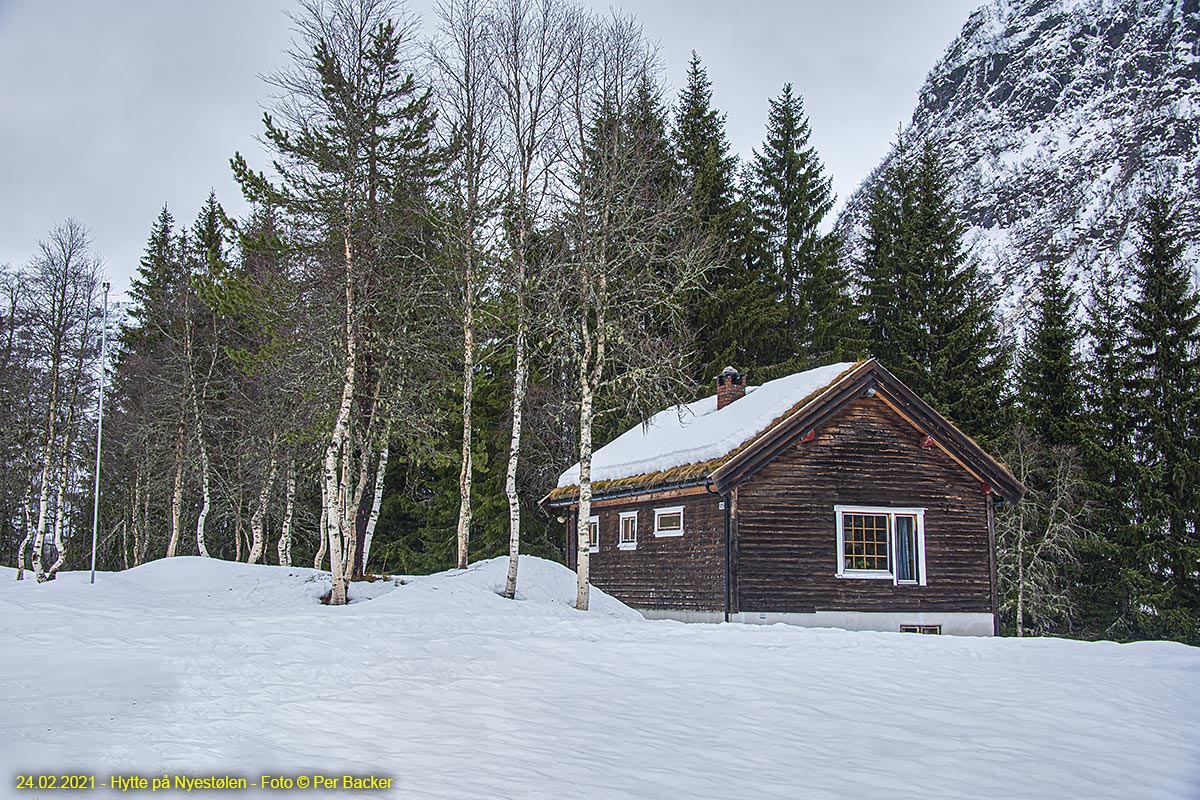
(1055, 116)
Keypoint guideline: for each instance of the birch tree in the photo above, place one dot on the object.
(629, 258)
(1038, 539)
(63, 281)
(533, 42)
(351, 131)
(461, 53)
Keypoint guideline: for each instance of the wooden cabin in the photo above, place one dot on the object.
(834, 497)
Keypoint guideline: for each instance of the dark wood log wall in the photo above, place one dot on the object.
(670, 572)
(786, 535)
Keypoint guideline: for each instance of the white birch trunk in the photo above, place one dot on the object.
(377, 500)
(177, 490)
(57, 537)
(258, 519)
(323, 547)
(143, 543)
(350, 524)
(206, 502)
(582, 549)
(39, 539)
(29, 529)
(464, 475)
(289, 509)
(135, 512)
(1021, 575)
(514, 454)
(334, 490)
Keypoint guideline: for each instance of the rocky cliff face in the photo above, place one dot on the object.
(1055, 117)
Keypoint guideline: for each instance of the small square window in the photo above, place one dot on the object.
(668, 521)
(628, 538)
(593, 534)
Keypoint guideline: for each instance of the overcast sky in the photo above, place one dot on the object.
(110, 109)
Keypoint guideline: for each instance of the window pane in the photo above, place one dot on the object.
(593, 534)
(865, 538)
(628, 529)
(906, 548)
(670, 522)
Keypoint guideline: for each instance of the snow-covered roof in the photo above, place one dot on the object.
(699, 432)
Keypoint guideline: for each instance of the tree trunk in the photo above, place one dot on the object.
(57, 538)
(1021, 574)
(289, 509)
(377, 500)
(464, 475)
(144, 542)
(258, 520)
(323, 548)
(582, 547)
(26, 540)
(205, 477)
(357, 510)
(39, 539)
(177, 491)
(334, 498)
(514, 454)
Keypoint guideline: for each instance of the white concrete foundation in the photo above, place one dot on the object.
(953, 623)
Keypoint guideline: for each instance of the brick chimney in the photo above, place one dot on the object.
(731, 385)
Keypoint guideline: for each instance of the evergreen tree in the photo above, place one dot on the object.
(1105, 449)
(1164, 322)
(735, 315)
(1049, 369)
(702, 149)
(791, 196)
(928, 313)
(1042, 536)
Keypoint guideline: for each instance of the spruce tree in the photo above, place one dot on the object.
(1110, 558)
(735, 316)
(791, 197)
(702, 149)
(887, 305)
(929, 314)
(1164, 321)
(1049, 369)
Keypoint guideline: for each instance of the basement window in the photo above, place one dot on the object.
(881, 543)
(668, 521)
(934, 629)
(593, 534)
(628, 539)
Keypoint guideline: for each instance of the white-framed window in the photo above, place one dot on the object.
(668, 521)
(877, 542)
(628, 537)
(593, 534)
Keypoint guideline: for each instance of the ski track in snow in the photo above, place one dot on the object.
(201, 667)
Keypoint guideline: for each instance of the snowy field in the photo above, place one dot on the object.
(195, 667)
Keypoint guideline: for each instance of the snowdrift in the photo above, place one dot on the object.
(544, 588)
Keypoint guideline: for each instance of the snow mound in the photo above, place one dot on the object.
(698, 432)
(544, 589)
(203, 582)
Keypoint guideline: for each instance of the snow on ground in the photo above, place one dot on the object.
(698, 431)
(200, 667)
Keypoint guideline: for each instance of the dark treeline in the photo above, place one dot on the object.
(473, 258)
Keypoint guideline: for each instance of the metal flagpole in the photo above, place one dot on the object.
(99, 432)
